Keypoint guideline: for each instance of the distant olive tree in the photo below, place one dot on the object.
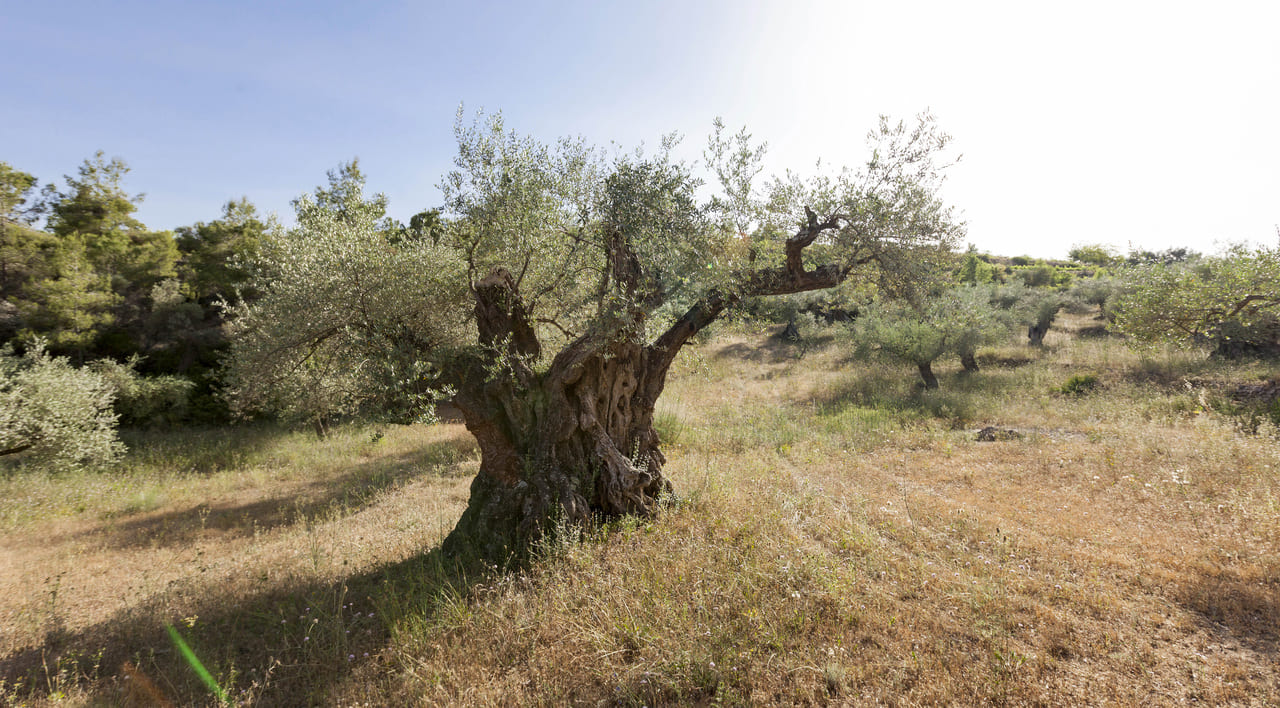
(55, 413)
(1094, 254)
(1099, 292)
(958, 321)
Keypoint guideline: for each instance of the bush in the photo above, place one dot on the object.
(958, 321)
(1079, 385)
(1231, 302)
(146, 401)
(54, 413)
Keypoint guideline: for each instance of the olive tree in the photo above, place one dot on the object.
(1231, 301)
(553, 301)
(956, 321)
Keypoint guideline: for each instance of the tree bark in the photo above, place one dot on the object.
(561, 448)
(576, 443)
(926, 373)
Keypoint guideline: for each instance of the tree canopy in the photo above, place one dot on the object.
(555, 294)
(1231, 300)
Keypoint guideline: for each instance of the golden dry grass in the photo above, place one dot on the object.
(840, 537)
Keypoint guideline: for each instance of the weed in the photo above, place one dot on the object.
(1079, 385)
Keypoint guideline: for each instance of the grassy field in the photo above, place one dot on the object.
(839, 537)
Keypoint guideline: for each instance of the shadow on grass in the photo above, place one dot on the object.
(349, 491)
(1250, 611)
(774, 349)
(897, 391)
(290, 645)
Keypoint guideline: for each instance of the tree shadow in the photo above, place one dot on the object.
(353, 490)
(898, 391)
(1249, 611)
(287, 645)
(775, 348)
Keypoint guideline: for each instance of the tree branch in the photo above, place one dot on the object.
(18, 448)
(501, 316)
(792, 278)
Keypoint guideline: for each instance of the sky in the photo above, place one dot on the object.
(1129, 124)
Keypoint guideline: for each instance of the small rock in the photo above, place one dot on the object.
(993, 434)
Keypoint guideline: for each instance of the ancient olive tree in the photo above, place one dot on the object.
(552, 302)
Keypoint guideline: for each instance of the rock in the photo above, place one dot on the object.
(993, 434)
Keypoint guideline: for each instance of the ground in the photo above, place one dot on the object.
(839, 536)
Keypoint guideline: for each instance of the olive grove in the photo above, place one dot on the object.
(551, 301)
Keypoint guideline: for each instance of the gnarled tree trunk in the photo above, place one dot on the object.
(576, 442)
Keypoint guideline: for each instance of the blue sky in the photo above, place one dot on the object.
(1147, 124)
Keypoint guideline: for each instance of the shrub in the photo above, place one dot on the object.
(146, 401)
(54, 413)
(1231, 302)
(1079, 385)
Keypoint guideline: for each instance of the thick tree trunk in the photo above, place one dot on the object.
(1035, 335)
(572, 445)
(557, 448)
(926, 373)
(576, 443)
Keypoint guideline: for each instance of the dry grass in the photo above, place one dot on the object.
(840, 537)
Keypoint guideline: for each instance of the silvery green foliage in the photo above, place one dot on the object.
(900, 332)
(958, 320)
(54, 413)
(973, 319)
(895, 228)
(346, 320)
(1213, 298)
(610, 246)
(554, 216)
(144, 401)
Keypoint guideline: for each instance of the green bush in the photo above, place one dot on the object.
(1229, 302)
(146, 401)
(54, 414)
(1079, 385)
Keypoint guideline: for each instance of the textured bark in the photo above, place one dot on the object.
(576, 443)
(572, 445)
(563, 447)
